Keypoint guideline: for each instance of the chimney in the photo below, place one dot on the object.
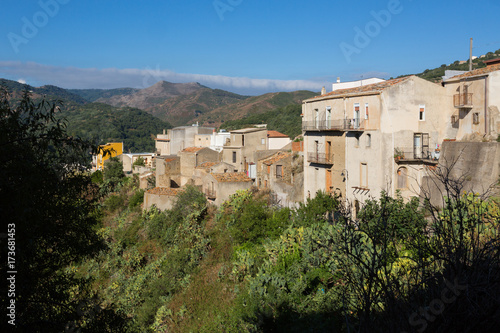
(323, 91)
(338, 79)
(163, 131)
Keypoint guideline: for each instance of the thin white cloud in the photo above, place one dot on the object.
(85, 78)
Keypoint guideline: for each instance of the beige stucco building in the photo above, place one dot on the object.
(474, 103)
(351, 136)
(240, 150)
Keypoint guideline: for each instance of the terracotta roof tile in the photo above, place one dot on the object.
(276, 157)
(231, 177)
(165, 191)
(479, 71)
(208, 164)
(276, 134)
(370, 88)
(192, 149)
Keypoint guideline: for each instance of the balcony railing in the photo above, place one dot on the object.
(415, 154)
(462, 100)
(319, 158)
(352, 124)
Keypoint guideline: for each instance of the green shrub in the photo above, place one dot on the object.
(136, 199)
(114, 202)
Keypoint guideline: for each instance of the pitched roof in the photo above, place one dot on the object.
(370, 88)
(276, 157)
(231, 177)
(192, 149)
(276, 134)
(165, 191)
(479, 71)
(248, 130)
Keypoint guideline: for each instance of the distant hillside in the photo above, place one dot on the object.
(286, 120)
(105, 123)
(92, 95)
(252, 106)
(50, 92)
(185, 109)
(435, 75)
(96, 121)
(150, 97)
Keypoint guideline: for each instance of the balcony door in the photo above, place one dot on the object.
(420, 145)
(356, 115)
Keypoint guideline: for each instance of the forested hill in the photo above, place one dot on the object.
(436, 74)
(253, 105)
(48, 91)
(105, 123)
(285, 119)
(92, 95)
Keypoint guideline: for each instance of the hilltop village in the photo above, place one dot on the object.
(359, 139)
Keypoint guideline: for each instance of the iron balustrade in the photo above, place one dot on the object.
(352, 124)
(319, 158)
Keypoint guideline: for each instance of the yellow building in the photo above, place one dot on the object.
(106, 151)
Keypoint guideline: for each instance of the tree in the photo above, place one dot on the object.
(139, 162)
(113, 171)
(48, 205)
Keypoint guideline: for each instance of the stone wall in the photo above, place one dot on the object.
(477, 164)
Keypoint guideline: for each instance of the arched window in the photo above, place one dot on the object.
(402, 177)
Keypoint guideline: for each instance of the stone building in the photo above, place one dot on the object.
(218, 187)
(282, 173)
(192, 157)
(168, 171)
(240, 150)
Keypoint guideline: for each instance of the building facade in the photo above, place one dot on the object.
(352, 136)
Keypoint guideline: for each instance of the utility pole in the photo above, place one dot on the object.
(470, 56)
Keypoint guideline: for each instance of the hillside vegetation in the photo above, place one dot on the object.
(250, 267)
(103, 123)
(436, 74)
(92, 95)
(184, 109)
(252, 106)
(286, 120)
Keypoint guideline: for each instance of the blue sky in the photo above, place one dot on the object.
(244, 46)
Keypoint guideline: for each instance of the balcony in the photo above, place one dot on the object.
(352, 124)
(463, 101)
(211, 195)
(415, 155)
(319, 158)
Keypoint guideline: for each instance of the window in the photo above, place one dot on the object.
(279, 171)
(475, 118)
(262, 141)
(357, 136)
(234, 157)
(329, 157)
(402, 176)
(366, 110)
(421, 114)
(328, 116)
(243, 140)
(368, 140)
(316, 118)
(364, 175)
